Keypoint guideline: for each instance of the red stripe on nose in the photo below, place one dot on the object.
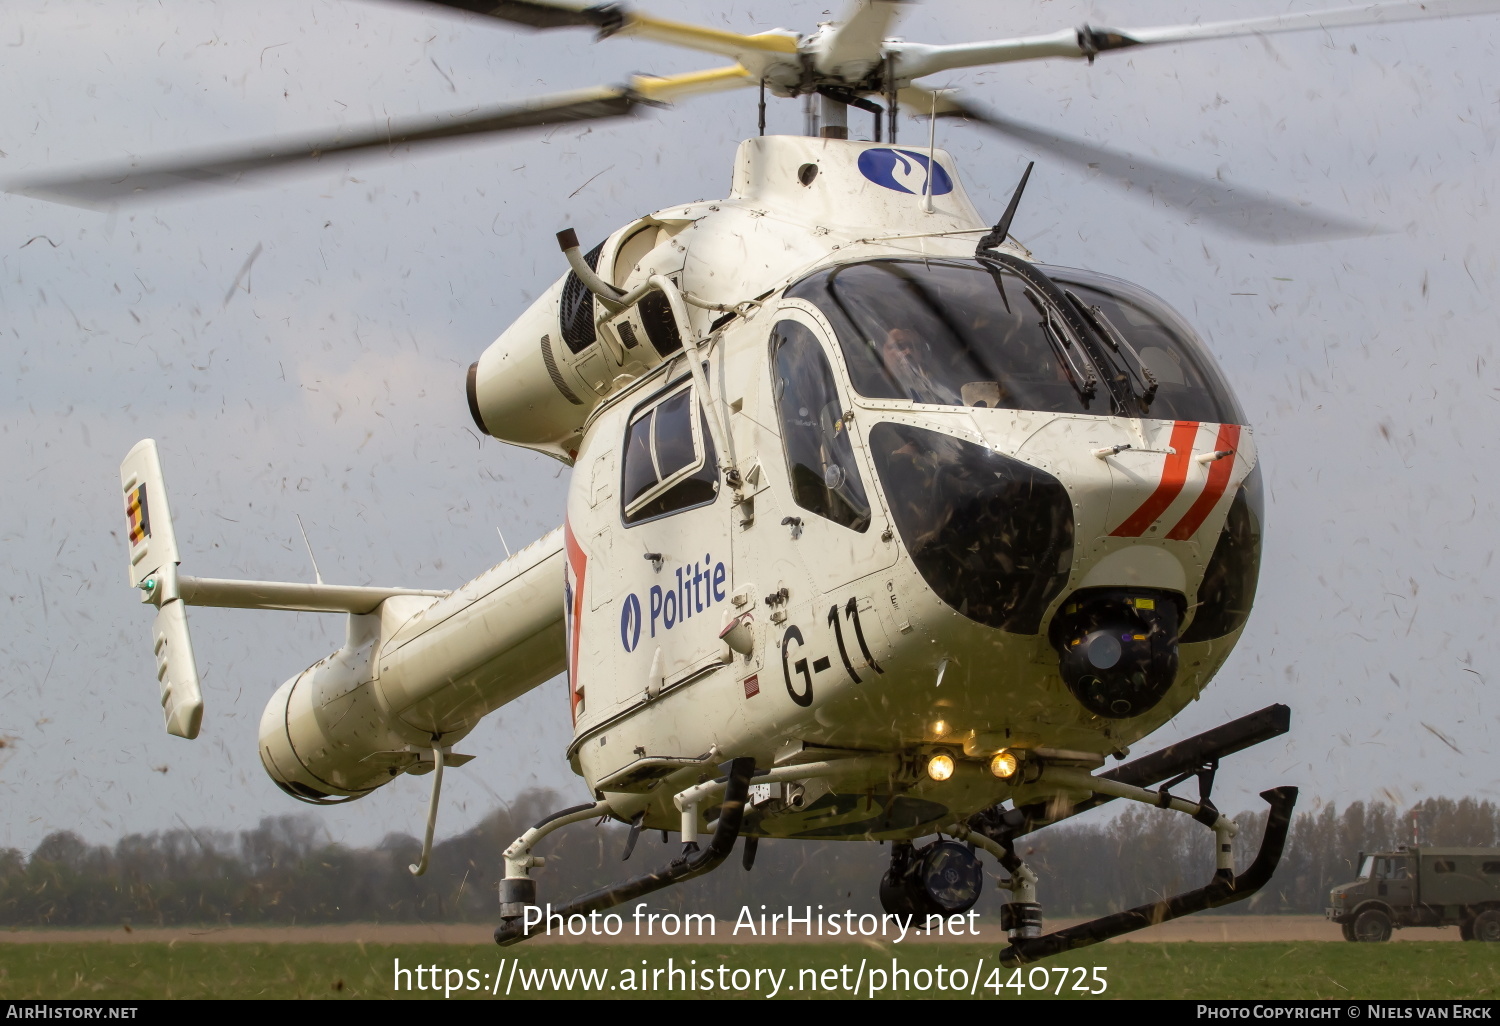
(1173, 477)
(1219, 473)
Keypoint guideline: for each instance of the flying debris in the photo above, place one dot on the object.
(879, 526)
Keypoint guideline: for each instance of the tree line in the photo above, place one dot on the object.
(285, 871)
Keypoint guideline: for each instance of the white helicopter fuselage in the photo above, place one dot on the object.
(839, 643)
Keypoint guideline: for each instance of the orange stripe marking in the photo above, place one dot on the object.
(578, 563)
(1173, 477)
(1219, 473)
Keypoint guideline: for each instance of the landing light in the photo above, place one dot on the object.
(1003, 765)
(940, 766)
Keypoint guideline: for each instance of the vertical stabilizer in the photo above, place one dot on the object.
(153, 569)
(181, 698)
(152, 541)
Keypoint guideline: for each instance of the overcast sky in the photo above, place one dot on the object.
(327, 380)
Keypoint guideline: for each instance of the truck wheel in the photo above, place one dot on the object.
(1487, 926)
(1373, 926)
(1466, 929)
(1348, 929)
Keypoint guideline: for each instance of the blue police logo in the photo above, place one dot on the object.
(630, 623)
(904, 171)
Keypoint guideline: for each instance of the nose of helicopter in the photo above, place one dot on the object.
(1145, 494)
(1026, 543)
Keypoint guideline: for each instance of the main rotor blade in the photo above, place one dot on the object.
(617, 19)
(1261, 217)
(105, 187)
(856, 44)
(670, 88)
(536, 14)
(913, 60)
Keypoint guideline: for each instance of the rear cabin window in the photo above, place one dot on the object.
(1443, 866)
(669, 464)
(1492, 868)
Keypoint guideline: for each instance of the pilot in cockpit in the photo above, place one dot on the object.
(907, 359)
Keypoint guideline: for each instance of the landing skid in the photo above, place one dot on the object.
(995, 830)
(1224, 889)
(1197, 756)
(691, 863)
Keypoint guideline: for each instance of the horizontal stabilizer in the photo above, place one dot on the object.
(307, 598)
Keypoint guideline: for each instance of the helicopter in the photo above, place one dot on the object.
(980, 579)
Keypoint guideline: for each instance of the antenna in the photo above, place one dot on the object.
(317, 576)
(997, 234)
(502, 540)
(931, 153)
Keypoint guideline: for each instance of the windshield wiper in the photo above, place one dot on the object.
(1065, 346)
(998, 234)
(1115, 340)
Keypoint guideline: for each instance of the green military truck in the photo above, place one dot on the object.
(1421, 886)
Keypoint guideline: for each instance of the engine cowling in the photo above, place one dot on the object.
(537, 383)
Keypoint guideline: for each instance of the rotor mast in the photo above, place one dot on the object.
(833, 118)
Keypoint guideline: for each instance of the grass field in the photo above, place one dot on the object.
(1178, 970)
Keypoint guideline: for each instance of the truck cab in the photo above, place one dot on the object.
(1420, 886)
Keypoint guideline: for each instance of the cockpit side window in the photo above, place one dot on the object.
(820, 457)
(669, 462)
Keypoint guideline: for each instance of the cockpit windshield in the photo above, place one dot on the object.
(958, 333)
(1152, 340)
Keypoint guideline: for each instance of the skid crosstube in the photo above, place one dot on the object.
(685, 867)
(1223, 890)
